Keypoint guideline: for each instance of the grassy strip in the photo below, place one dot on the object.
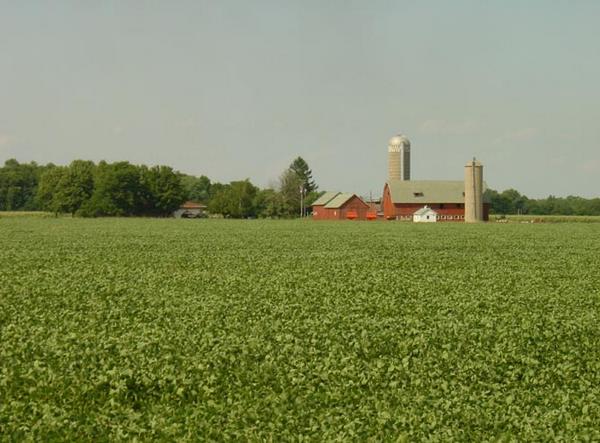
(12, 214)
(548, 218)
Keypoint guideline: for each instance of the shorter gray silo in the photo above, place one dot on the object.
(473, 192)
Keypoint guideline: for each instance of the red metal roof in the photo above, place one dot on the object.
(192, 205)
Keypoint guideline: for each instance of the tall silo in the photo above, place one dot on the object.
(473, 191)
(399, 158)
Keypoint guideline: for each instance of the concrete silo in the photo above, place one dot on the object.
(399, 158)
(473, 191)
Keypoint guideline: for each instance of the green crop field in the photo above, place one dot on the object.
(122, 329)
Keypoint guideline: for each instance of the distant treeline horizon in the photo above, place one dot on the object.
(88, 189)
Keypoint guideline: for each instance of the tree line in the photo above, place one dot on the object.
(241, 199)
(87, 189)
(511, 202)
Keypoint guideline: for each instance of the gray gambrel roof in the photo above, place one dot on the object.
(325, 198)
(428, 191)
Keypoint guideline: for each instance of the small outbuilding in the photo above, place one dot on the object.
(190, 209)
(318, 207)
(339, 206)
(425, 215)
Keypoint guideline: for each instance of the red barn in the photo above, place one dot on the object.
(339, 206)
(402, 198)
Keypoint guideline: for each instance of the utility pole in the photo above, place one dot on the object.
(301, 200)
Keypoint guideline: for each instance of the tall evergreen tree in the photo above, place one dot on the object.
(304, 173)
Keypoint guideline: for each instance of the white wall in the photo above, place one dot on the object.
(428, 217)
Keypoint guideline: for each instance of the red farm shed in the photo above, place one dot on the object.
(402, 198)
(339, 206)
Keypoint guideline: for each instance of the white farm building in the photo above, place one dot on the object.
(425, 215)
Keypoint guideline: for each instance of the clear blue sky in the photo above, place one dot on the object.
(236, 89)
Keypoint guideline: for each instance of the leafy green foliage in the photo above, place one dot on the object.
(511, 201)
(297, 188)
(18, 185)
(118, 190)
(197, 189)
(123, 189)
(162, 189)
(75, 186)
(47, 191)
(150, 329)
(270, 204)
(113, 189)
(235, 200)
(289, 187)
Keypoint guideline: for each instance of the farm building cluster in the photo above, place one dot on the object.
(416, 200)
(190, 209)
